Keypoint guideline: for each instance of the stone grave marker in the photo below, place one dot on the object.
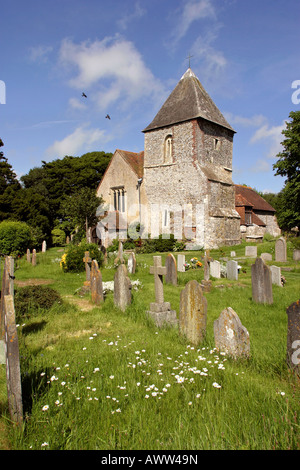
(232, 254)
(232, 270)
(231, 337)
(86, 261)
(276, 275)
(296, 255)
(33, 260)
(171, 270)
(280, 250)
(28, 255)
(122, 288)
(215, 269)
(261, 279)
(266, 256)
(293, 337)
(131, 265)
(96, 283)
(119, 258)
(160, 310)
(251, 251)
(193, 312)
(44, 246)
(181, 263)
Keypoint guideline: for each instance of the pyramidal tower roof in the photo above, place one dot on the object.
(187, 101)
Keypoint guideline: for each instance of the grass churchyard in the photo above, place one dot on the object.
(101, 374)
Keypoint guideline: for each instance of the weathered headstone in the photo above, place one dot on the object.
(44, 246)
(171, 270)
(13, 375)
(33, 260)
(280, 250)
(181, 263)
(119, 258)
(131, 265)
(266, 256)
(232, 270)
(160, 310)
(232, 254)
(276, 275)
(193, 312)
(231, 337)
(215, 269)
(86, 261)
(122, 288)
(28, 256)
(296, 255)
(96, 283)
(251, 251)
(261, 280)
(293, 337)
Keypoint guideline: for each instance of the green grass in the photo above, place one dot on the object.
(103, 379)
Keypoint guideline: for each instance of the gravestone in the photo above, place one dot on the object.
(296, 255)
(293, 337)
(119, 258)
(251, 251)
(44, 246)
(28, 256)
(193, 312)
(261, 280)
(171, 272)
(280, 250)
(232, 254)
(160, 310)
(232, 270)
(266, 256)
(122, 288)
(33, 261)
(181, 263)
(86, 261)
(96, 284)
(215, 269)
(231, 337)
(13, 374)
(276, 275)
(131, 265)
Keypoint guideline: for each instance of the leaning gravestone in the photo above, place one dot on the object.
(160, 310)
(193, 312)
(96, 283)
(122, 288)
(33, 261)
(261, 279)
(171, 270)
(215, 269)
(251, 251)
(232, 270)
(276, 275)
(119, 258)
(280, 250)
(86, 261)
(181, 263)
(231, 337)
(131, 265)
(293, 337)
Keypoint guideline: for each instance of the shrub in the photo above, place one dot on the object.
(72, 260)
(15, 238)
(58, 237)
(30, 298)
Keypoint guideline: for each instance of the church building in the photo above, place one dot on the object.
(182, 182)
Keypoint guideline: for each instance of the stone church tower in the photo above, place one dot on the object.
(182, 182)
(188, 166)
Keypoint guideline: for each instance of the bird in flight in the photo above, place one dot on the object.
(83, 94)
(107, 116)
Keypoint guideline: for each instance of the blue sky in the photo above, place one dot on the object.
(127, 56)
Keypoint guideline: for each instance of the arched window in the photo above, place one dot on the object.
(168, 152)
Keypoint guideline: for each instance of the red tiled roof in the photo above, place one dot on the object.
(251, 196)
(134, 160)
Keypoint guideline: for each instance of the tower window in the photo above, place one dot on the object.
(217, 144)
(168, 153)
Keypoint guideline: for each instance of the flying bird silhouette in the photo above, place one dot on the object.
(107, 116)
(83, 94)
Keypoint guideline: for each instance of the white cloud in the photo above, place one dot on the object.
(254, 121)
(261, 166)
(136, 13)
(76, 103)
(113, 66)
(39, 53)
(273, 135)
(82, 139)
(193, 10)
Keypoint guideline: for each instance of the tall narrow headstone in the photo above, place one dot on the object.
(171, 270)
(293, 337)
(122, 288)
(296, 255)
(86, 261)
(232, 270)
(215, 269)
(119, 258)
(96, 284)
(261, 280)
(193, 312)
(33, 261)
(131, 265)
(276, 275)
(44, 246)
(231, 337)
(181, 263)
(28, 256)
(280, 250)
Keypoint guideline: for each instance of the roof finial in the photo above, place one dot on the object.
(189, 58)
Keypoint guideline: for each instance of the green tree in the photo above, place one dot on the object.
(9, 185)
(15, 237)
(288, 165)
